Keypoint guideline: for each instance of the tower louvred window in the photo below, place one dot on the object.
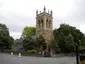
(39, 24)
(42, 23)
(47, 23)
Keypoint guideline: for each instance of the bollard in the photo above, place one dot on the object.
(43, 53)
(11, 53)
(19, 54)
(39, 52)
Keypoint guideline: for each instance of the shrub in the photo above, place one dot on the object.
(31, 51)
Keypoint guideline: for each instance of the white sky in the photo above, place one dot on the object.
(17, 14)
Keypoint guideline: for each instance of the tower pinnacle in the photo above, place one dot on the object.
(36, 12)
(51, 12)
(44, 9)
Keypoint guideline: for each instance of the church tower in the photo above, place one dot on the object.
(44, 25)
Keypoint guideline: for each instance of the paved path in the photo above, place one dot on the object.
(7, 59)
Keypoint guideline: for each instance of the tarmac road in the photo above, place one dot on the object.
(7, 59)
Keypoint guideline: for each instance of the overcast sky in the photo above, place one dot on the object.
(17, 14)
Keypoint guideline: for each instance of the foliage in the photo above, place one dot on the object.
(65, 40)
(28, 32)
(31, 51)
(41, 42)
(44, 45)
(6, 40)
(29, 44)
(55, 46)
(28, 35)
(67, 37)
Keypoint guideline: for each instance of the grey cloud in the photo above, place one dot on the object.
(16, 22)
(78, 14)
(75, 17)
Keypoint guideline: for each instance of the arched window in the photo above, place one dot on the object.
(50, 24)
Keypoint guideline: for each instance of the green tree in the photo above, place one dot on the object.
(28, 32)
(28, 36)
(70, 44)
(68, 37)
(55, 46)
(6, 40)
(28, 44)
(41, 43)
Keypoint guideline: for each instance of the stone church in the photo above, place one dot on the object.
(44, 25)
